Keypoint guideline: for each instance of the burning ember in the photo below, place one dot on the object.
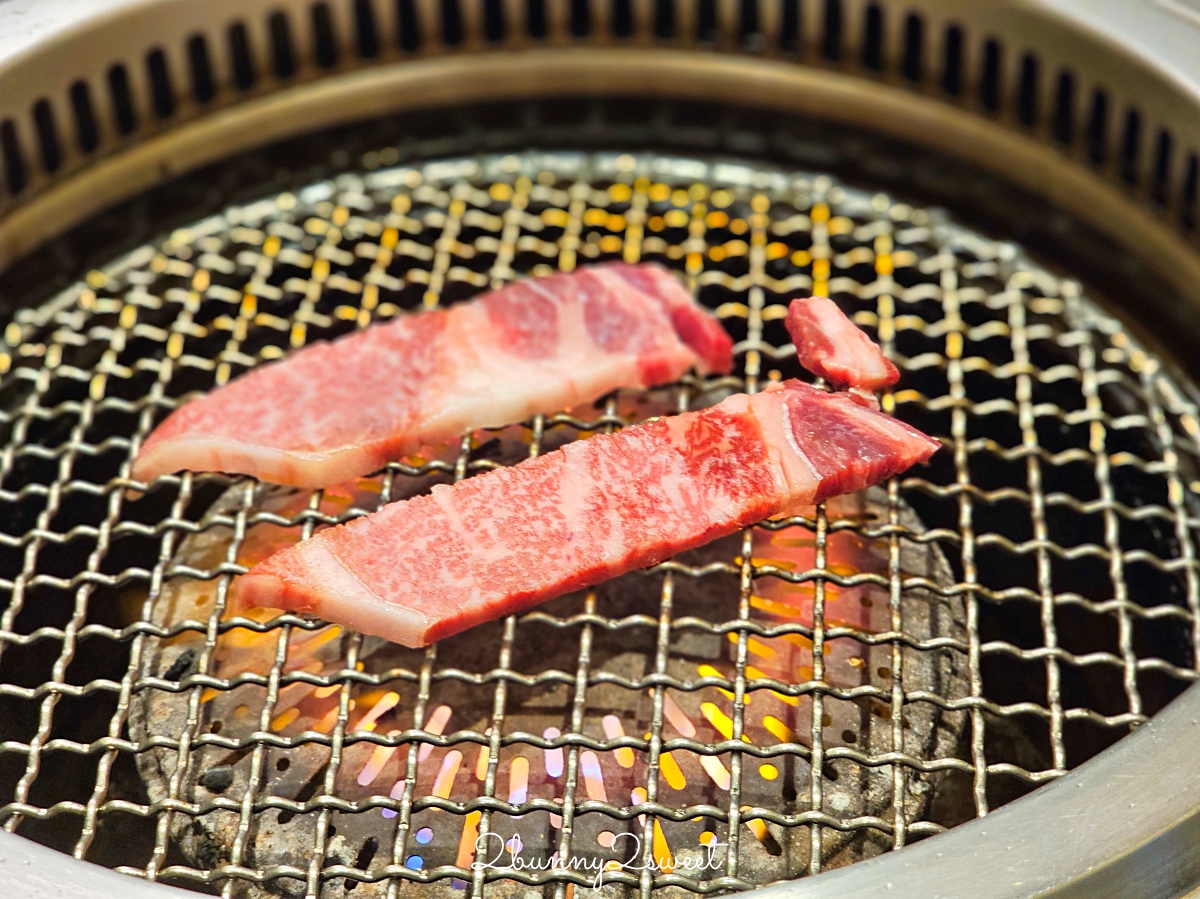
(366, 755)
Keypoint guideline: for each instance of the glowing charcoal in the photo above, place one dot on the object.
(662, 850)
(758, 674)
(718, 719)
(397, 793)
(554, 756)
(758, 827)
(481, 761)
(327, 720)
(677, 718)
(799, 639)
(381, 708)
(756, 646)
(518, 780)
(671, 771)
(716, 771)
(293, 694)
(446, 774)
(638, 795)
(710, 671)
(315, 640)
(779, 601)
(613, 730)
(593, 777)
(379, 757)
(435, 725)
(778, 729)
(466, 843)
(685, 779)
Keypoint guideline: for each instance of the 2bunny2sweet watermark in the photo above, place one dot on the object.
(509, 857)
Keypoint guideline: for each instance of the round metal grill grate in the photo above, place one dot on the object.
(990, 622)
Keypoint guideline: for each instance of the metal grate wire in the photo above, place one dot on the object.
(1064, 503)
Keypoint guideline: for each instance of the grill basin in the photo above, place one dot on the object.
(606, 638)
(1063, 612)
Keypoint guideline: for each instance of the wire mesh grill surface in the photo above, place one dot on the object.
(1062, 506)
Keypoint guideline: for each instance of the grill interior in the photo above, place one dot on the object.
(981, 626)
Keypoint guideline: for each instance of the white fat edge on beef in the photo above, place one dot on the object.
(796, 477)
(198, 452)
(342, 597)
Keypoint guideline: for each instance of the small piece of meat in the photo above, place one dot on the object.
(337, 410)
(504, 541)
(832, 347)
